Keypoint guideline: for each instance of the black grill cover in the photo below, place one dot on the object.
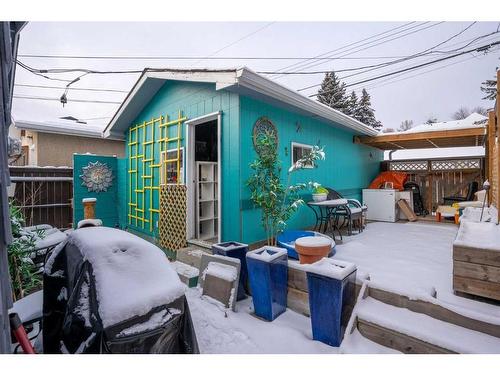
(67, 330)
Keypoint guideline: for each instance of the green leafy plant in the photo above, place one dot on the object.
(320, 190)
(277, 201)
(23, 273)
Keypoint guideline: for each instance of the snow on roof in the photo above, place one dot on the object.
(132, 275)
(474, 120)
(242, 81)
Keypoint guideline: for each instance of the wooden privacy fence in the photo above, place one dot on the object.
(438, 178)
(44, 195)
(493, 150)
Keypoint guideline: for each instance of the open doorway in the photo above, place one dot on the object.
(203, 177)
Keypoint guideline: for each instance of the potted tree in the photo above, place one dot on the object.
(277, 201)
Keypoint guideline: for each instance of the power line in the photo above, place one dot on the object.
(70, 88)
(348, 45)
(470, 42)
(483, 48)
(369, 45)
(57, 99)
(103, 57)
(236, 41)
(426, 52)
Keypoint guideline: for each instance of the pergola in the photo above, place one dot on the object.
(430, 139)
(486, 135)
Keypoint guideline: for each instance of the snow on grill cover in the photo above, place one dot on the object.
(122, 297)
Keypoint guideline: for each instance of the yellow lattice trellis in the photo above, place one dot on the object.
(145, 164)
(172, 224)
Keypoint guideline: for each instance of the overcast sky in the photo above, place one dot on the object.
(437, 90)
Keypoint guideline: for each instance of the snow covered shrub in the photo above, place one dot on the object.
(277, 201)
(22, 270)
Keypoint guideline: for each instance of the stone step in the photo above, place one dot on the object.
(191, 255)
(188, 274)
(411, 332)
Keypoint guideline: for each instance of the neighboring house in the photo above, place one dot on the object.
(220, 111)
(46, 144)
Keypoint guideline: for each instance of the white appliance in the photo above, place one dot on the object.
(382, 204)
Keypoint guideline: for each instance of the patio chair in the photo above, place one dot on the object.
(352, 213)
(471, 190)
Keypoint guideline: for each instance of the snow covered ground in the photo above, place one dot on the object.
(222, 331)
(415, 258)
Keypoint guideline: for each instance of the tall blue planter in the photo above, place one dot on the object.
(331, 300)
(268, 276)
(235, 250)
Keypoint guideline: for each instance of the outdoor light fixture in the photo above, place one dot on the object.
(486, 187)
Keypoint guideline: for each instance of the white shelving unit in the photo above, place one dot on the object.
(207, 218)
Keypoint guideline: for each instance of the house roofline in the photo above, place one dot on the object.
(233, 80)
(60, 129)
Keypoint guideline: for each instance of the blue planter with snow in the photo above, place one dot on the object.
(237, 250)
(287, 240)
(331, 285)
(268, 277)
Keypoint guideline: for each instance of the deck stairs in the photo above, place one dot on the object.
(413, 325)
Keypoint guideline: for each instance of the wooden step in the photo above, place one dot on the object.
(433, 308)
(411, 332)
(192, 255)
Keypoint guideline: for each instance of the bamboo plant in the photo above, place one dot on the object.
(277, 201)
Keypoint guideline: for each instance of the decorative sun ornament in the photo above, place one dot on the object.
(97, 177)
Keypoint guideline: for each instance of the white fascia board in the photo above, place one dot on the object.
(270, 88)
(57, 129)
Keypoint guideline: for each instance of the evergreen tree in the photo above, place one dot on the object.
(489, 87)
(352, 104)
(333, 93)
(365, 112)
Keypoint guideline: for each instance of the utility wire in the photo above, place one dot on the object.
(70, 88)
(483, 48)
(470, 42)
(325, 54)
(380, 41)
(236, 41)
(57, 99)
(103, 57)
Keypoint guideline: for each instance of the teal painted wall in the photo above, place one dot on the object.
(121, 180)
(194, 100)
(107, 205)
(348, 167)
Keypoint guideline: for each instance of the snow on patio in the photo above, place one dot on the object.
(222, 331)
(413, 258)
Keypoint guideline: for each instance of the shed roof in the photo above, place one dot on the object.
(467, 132)
(239, 80)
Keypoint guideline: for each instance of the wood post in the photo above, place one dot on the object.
(89, 208)
(491, 151)
(497, 145)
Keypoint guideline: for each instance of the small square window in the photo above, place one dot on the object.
(300, 150)
(168, 167)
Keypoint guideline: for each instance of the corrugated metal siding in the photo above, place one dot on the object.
(348, 167)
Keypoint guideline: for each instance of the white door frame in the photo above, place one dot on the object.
(191, 168)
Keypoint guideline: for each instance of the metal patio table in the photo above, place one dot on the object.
(325, 214)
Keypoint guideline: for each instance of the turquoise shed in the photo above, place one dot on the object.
(196, 128)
